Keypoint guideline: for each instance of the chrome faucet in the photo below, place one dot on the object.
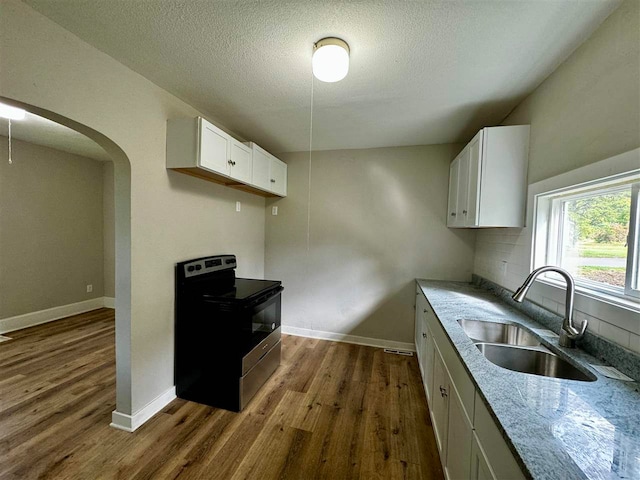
(569, 333)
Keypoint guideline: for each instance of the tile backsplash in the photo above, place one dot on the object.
(503, 256)
(603, 349)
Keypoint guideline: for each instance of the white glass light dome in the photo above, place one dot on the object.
(330, 60)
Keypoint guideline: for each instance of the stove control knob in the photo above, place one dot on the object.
(273, 326)
(198, 267)
(190, 268)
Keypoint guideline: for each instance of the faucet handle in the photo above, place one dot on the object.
(583, 327)
(574, 333)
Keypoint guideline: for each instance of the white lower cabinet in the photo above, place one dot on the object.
(469, 442)
(439, 405)
(459, 438)
(480, 469)
(424, 341)
(497, 455)
(451, 423)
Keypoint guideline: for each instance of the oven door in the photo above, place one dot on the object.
(262, 317)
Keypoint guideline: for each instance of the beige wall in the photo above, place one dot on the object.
(589, 108)
(173, 217)
(109, 231)
(377, 221)
(586, 111)
(50, 228)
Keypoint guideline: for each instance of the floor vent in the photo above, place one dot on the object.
(398, 352)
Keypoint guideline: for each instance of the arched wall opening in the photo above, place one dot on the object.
(122, 214)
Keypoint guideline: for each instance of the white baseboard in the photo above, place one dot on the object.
(346, 338)
(109, 302)
(49, 315)
(130, 423)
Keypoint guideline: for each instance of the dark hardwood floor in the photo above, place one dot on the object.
(331, 411)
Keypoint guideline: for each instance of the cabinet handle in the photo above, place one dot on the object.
(273, 181)
(230, 162)
(233, 163)
(443, 392)
(424, 311)
(464, 212)
(424, 335)
(453, 214)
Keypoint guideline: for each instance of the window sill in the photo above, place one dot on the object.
(626, 304)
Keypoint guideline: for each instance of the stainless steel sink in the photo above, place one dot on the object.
(491, 332)
(532, 361)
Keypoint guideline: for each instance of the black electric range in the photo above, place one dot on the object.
(227, 341)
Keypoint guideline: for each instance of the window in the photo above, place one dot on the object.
(592, 231)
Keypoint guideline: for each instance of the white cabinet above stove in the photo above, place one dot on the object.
(198, 148)
(269, 172)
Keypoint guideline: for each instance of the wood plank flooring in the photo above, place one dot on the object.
(331, 411)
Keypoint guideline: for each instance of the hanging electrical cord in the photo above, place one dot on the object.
(310, 148)
(10, 161)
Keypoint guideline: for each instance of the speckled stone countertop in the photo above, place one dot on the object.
(556, 429)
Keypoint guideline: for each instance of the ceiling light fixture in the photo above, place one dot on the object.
(12, 113)
(330, 59)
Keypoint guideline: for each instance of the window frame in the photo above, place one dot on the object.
(548, 241)
(632, 282)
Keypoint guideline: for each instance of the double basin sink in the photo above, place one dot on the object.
(516, 348)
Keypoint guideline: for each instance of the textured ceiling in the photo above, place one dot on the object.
(40, 131)
(421, 72)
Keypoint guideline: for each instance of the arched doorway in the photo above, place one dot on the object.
(122, 215)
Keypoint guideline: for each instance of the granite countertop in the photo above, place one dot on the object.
(555, 428)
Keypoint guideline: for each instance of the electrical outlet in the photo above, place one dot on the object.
(238, 206)
(274, 210)
(89, 288)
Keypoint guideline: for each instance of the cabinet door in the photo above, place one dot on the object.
(278, 178)
(462, 202)
(427, 362)
(240, 157)
(473, 180)
(214, 148)
(419, 328)
(459, 438)
(454, 171)
(440, 404)
(480, 469)
(260, 176)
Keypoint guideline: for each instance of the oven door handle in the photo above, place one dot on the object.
(266, 297)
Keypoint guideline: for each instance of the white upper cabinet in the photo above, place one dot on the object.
(269, 172)
(240, 161)
(261, 167)
(214, 149)
(199, 148)
(278, 176)
(488, 179)
(194, 143)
